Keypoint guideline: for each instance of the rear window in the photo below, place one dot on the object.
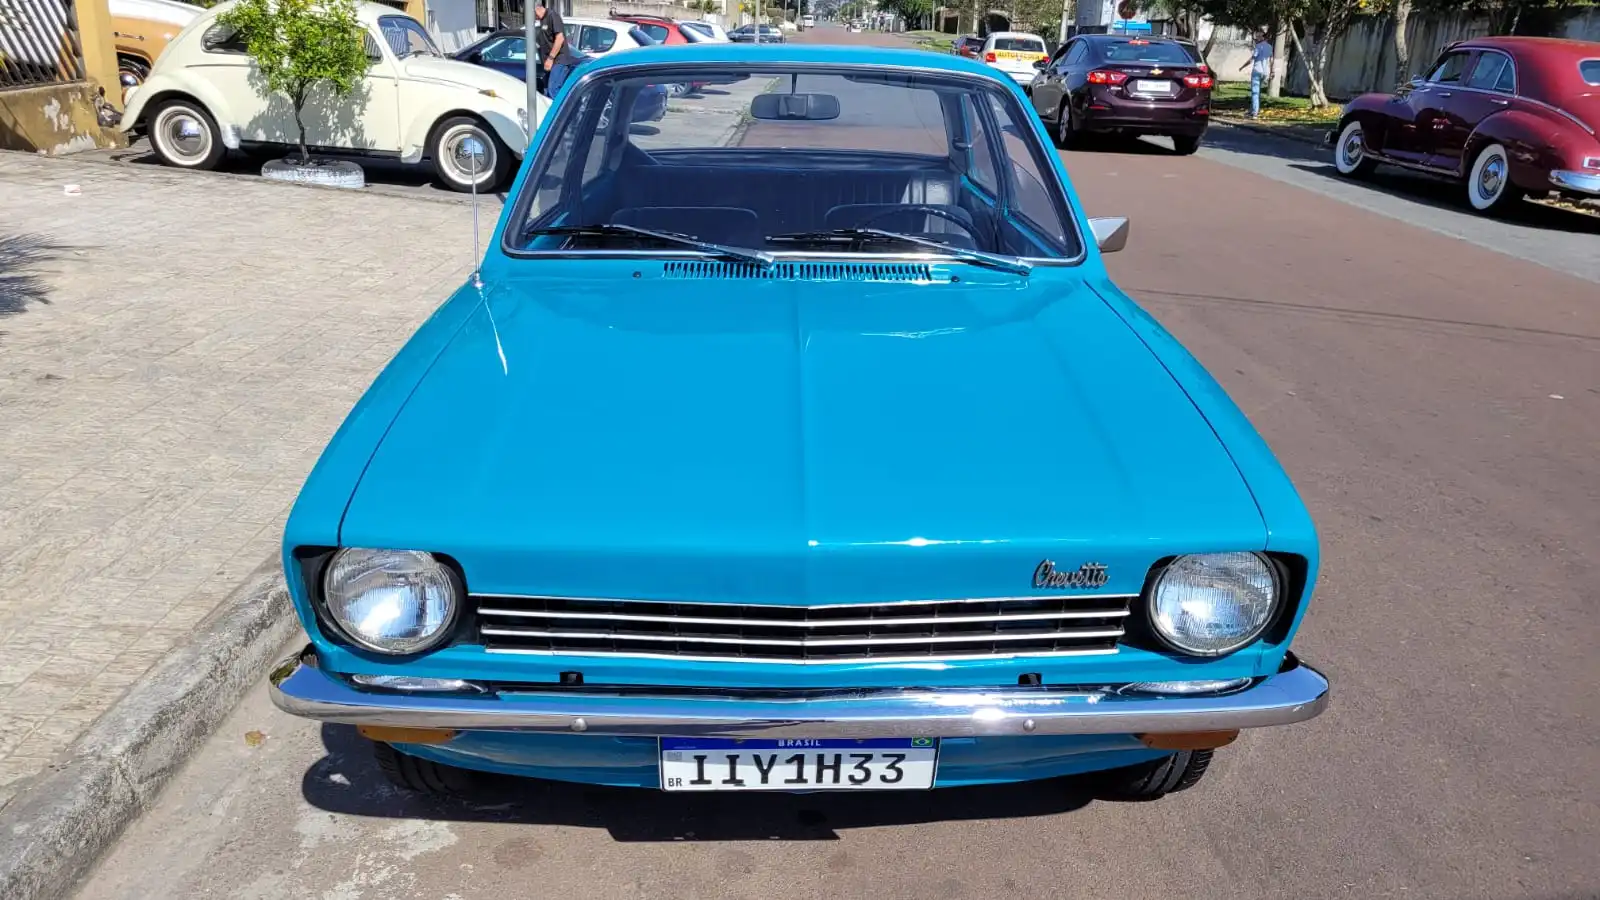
(1590, 70)
(658, 33)
(1146, 51)
(1027, 45)
(640, 38)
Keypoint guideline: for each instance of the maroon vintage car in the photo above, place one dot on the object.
(1507, 116)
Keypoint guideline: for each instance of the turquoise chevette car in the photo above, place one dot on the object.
(798, 442)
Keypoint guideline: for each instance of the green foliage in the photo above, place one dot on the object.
(300, 44)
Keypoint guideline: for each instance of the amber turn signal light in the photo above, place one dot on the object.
(387, 735)
(1189, 740)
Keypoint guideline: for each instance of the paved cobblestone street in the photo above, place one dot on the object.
(197, 341)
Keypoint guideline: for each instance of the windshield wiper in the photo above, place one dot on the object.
(741, 254)
(861, 236)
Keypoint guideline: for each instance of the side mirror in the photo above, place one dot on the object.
(1110, 233)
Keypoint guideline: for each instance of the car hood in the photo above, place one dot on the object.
(797, 442)
(464, 74)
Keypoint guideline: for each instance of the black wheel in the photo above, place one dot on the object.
(184, 135)
(1066, 127)
(1154, 780)
(464, 151)
(422, 776)
(1186, 144)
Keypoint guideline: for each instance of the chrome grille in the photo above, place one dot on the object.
(918, 630)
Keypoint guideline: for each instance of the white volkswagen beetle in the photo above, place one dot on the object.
(414, 105)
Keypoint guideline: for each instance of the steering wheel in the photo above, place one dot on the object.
(937, 212)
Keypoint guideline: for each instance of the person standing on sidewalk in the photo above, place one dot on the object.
(1260, 66)
(555, 58)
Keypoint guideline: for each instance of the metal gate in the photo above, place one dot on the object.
(39, 43)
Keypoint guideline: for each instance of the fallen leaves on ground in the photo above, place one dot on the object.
(254, 738)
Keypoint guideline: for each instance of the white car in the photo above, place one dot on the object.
(1014, 53)
(597, 37)
(711, 31)
(414, 104)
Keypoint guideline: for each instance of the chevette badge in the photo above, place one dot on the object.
(1088, 575)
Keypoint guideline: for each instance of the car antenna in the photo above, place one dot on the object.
(473, 147)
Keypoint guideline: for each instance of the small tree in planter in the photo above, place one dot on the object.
(299, 45)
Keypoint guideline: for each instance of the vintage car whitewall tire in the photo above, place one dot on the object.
(1350, 152)
(184, 135)
(424, 776)
(1153, 780)
(454, 166)
(1489, 187)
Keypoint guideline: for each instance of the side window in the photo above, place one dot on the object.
(221, 38)
(1450, 68)
(1032, 199)
(980, 157)
(596, 39)
(506, 50)
(1079, 51)
(1492, 70)
(1507, 82)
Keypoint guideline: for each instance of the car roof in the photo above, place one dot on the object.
(800, 54)
(1014, 34)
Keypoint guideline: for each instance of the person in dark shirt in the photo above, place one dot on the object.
(555, 57)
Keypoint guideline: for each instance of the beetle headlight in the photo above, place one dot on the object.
(391, 601)
(1209, 604)
(522, 119)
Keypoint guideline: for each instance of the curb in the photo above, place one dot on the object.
(55, 830)
(1280, 133)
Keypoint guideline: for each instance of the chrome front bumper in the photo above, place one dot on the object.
(1295, 694)
(1583, 183)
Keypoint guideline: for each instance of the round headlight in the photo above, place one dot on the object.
(391, 601)
(1213, 603)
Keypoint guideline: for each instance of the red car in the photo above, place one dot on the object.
(664, 31)
(1506, 116)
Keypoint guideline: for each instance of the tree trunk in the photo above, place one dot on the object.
(1280, 60)
(1402, 53)
(1211, 42)
(1313, 63)
(298, 98)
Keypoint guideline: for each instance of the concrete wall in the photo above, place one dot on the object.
(54, 119)
(1363, 60)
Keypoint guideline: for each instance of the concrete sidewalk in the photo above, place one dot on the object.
(175, 349)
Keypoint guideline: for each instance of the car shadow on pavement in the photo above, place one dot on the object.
(641, 815)
(1450, 196)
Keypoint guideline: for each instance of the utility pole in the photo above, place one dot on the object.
(531, 73)
(1066, 18)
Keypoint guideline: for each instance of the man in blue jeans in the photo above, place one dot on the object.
(1260, 66)
(555, 57)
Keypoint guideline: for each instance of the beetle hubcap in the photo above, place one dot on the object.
(469, 154)
(1493, 177)
(185, 135)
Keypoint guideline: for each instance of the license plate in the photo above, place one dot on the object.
(1152, 87)
(798, 764)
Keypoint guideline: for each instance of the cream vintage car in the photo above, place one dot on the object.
(415, 104)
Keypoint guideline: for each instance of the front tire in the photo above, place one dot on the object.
(1350, 152)
(421, 776)
(455, 166)
(1154, 780)
(1489, 187)
(184, 135)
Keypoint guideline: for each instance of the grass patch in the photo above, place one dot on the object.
(1233, 98)
(937, 41)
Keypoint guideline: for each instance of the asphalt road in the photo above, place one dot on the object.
(1438, 405)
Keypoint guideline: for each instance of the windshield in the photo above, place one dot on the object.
(405, 37)
(796, 161)
(1146, 52)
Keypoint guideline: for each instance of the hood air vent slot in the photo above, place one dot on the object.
(789, 271)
